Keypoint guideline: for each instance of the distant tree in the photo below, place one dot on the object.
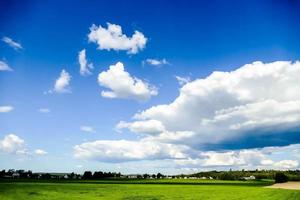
(118, 175)
(2, 173)
(159, 175)
(139, 176)
(153, 176)
(71, 176)
(46, 176)
(87, 175)
(145, 176)
(98, 175)
(34, 176)
(29, 174)
(24, 174)
(227, 176)
(281, 177)
(10, 172)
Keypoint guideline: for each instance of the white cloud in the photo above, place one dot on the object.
(177, 137)
(5, 109)
(113, 38)
(287, 164)
(156, 62)
(123, 150)
(85, 67)
(231, 158)
(123, 85)
(151, 127)
(12, 144)
(265, 158)
(40, 152)
(236, 104)
(88, 129)
(63, 82)
(239, 158)
(226, 113)
(182, 80)
(185, 157)
(4, 66)
(44, 110)
(12, 43)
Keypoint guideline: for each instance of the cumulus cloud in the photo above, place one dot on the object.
(88, 129)
(63, 82)
(44, 110)
(5, 109)
(12, 43)
(124, 150)
(40, 152)
(182, 80)
(12, 144)
(113, 38)
(85, 67)
(123, 85)
(231, 119)
(232, 158)
(4, 66)
(156, 62)
(287, 164)
(118, 151)
(151, 127)
(252, 103)
(258, 158)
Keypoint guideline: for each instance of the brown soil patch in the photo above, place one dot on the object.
(288, 185)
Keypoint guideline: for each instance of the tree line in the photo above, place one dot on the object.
(292, 175)
(279, 176)
(87, 175)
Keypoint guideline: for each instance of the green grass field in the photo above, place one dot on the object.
(149, 190)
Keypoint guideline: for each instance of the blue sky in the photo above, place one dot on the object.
(187, 39)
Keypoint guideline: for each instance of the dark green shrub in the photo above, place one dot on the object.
(280, 177)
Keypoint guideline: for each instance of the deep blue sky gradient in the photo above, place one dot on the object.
(196, 37)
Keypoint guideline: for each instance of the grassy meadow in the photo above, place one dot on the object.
(149, 190)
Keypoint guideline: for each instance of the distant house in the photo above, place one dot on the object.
(249, 178)
(15, 175)
(132, 175)
(42, 175)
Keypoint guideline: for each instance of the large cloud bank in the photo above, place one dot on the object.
(227, 118)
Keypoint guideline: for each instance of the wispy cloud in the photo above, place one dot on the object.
(85, 67)
(4, 66)
(12, 43)
(156, 62)
(88, 129)
(5, 109)
(44, 110)
(40, 152)
(182, 80)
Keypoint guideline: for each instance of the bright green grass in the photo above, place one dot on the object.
(149, 190)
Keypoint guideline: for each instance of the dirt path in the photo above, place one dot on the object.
(288, 185)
